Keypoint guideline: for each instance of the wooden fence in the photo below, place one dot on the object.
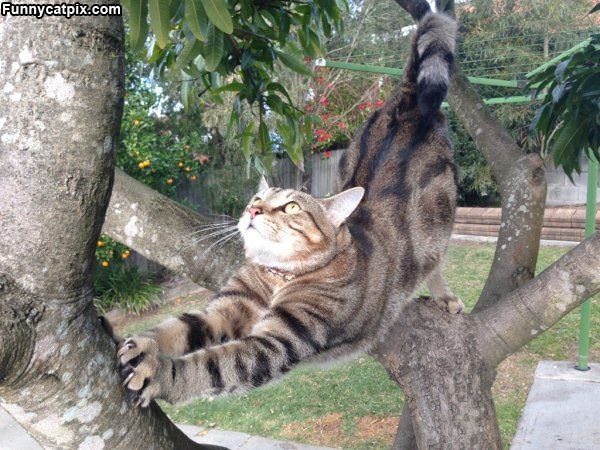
(219, 189)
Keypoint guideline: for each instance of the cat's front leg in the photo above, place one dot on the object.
(287, 335)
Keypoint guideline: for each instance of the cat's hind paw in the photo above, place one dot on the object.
(451, 304)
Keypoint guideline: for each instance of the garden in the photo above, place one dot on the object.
(133, 141)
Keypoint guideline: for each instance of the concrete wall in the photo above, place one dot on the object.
(561, 191)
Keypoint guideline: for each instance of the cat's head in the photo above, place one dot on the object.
(294, 231)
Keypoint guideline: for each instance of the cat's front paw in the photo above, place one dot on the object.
(142, 369)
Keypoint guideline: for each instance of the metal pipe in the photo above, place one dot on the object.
(590, 227)
(398, 72)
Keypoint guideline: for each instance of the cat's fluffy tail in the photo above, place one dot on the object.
(430, 64)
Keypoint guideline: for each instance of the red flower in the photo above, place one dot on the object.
(362, 106)
(342, 125)
(308, 107)
(320, 80)
(327, 154)
(379, 103)
(324, 101)
(320, 132)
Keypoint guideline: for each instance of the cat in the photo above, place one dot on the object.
(325, 278)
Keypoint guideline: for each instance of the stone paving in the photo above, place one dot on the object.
(563, 409)
(14, 437)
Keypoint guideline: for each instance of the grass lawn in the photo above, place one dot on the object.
(355, 405)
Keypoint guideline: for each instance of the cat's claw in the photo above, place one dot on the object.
(140, 367)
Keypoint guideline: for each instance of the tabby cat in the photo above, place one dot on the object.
(325, 278)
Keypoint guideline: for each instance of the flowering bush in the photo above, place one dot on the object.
(335, 106)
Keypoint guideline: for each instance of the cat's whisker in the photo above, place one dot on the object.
(211, 227)
(210, 235)
(222, 240)
(227, 216)
(215, 233)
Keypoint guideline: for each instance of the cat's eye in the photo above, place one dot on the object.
(292, 208)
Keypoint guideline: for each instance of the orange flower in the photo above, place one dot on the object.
(193, 178)
(180, 164)
(105, 264)
(169, 181)
(100, 244)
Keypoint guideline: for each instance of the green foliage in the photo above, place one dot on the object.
(160, 146)
(569, 118)
(126, 288)
(476, 187)
(216, 46)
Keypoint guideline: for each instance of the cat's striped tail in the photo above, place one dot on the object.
(430, 63)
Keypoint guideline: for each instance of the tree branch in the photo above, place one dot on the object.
(166, 232)
(530, 310)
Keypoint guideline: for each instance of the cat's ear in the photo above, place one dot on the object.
(263, 185)
(340, 206)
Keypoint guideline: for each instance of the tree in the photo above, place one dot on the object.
(61, 107)
(219, 46)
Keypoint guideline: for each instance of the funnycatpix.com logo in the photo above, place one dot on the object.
(67, 10)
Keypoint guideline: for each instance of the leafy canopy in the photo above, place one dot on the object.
(212, 47)
(569, 118)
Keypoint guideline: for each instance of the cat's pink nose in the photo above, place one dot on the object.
(254, 211)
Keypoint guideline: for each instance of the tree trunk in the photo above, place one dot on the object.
(522, 186)
(61, 102)
(446, 381)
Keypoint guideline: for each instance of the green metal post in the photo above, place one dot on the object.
(590, 227)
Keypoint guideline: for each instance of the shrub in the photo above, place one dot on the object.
(126, 288)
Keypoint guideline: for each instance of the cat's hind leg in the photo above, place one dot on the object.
(442, 294)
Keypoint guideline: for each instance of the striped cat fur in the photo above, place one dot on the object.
(325, 278)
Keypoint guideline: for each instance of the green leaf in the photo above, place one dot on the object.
(566, 145)
(234, 86)
(297, 65)
(246, 141)
(191, 49)
(263, 134)
(214, 48)
(219, 15)
(196, 19)
(160, 16)
(275, 86)
(186, 89)
(138, 23)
